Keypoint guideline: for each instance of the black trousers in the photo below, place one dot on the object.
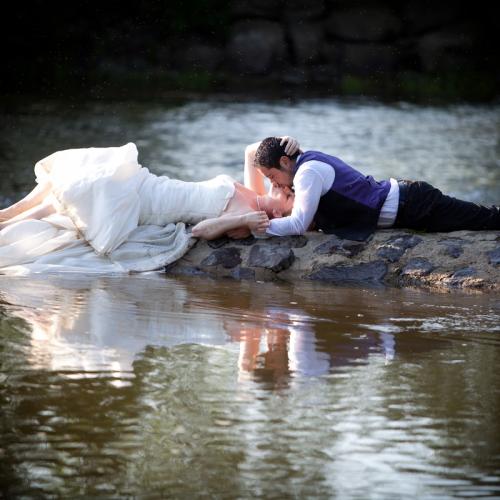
(424, 207)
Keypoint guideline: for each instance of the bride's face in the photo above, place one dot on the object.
(283, 199)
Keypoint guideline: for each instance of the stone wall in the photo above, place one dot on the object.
(337, 46)
(462, 259)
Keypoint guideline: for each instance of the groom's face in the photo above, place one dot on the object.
(280, 177)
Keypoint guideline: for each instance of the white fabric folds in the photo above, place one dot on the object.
(97, 227)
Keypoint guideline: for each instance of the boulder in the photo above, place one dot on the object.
(363, 23)
(439, 261)
(256, 46)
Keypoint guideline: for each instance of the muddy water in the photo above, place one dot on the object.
(154, 386)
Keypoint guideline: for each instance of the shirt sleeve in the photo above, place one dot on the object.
(308, 188)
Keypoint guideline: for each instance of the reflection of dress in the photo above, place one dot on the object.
(105, 199)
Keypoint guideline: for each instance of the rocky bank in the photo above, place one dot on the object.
(462, 259)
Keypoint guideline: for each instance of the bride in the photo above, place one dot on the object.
(125, 214)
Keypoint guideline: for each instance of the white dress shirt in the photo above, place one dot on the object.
(312, 180)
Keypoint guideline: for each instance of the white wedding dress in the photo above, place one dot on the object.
(112, 215)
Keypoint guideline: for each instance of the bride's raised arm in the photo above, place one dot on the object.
(253, 179)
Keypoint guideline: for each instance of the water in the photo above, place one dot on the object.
(187, 388)
(456, 147)
(149, 386)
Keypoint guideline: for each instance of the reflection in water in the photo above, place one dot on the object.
(126, 386)
(102, 324)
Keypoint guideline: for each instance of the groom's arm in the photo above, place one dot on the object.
(308, 190)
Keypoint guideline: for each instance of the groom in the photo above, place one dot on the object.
(334, 197)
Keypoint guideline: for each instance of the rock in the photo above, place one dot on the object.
(219, 242)
(225, 257)
(288, 241)
(368, 58)
(494, 257)
(306, 40)
(256, 8)
(396, 246)
(255, 47)
(420, 16)
(392, 257)
(418, 266)
(245, 241)
(363, 23)
(467, 274)
(275, 258)
(444, 49)
(334, 244)
(360, 273)
(199, 56)
(243, 273)
(297, 11)
(452, 247)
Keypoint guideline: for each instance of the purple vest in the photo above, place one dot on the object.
(353, 201)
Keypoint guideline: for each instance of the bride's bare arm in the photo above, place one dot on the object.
(253, 179)
(210, 229)
(31, 200)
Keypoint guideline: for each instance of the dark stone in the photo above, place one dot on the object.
(295, 11)
(185, 271)
(351, 233)
(225, 257)
(466, 272)
(396, 246)
(420, 17)
(288, 241)
(250, 240)
(445, 49)
(306, 41)
(256, 8)
(494, 257)
(367, 58)
(453, 247)
(392, 254)
(243, 273)
(343, 247)
(199, 55)
(359, 273)
(363, 23)
(276, 258)
(219, 242)
(417, 267)
(256, 46)
(458, 277)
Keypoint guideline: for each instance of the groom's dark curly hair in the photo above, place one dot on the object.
(269, 152)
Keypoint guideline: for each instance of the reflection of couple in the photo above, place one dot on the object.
(107, 195)
(108, 323)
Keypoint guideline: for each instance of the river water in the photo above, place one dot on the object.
(150, 386)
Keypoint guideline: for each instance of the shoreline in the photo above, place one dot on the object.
(461, 260)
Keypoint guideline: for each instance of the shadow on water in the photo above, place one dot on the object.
(146, 384)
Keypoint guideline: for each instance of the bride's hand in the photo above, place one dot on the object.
(292, 144)
(256, 221)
